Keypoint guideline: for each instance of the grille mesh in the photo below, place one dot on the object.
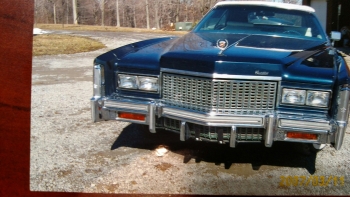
(219, 96)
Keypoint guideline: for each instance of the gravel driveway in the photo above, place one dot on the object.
(69, 153)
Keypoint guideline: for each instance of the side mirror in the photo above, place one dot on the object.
(335, 35)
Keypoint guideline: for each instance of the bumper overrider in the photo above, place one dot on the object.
(267, 127)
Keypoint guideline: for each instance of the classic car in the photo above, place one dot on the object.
(247, 72)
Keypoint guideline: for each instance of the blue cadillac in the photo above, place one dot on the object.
(248, 72)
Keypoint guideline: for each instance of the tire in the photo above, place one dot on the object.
(142, 127)
(307, 148)
(318, 146)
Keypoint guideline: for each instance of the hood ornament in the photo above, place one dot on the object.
(222, 44)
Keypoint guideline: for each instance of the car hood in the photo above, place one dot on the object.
(254, 55)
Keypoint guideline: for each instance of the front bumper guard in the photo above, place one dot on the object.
(276, 125)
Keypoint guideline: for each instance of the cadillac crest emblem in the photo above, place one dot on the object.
(222, 44)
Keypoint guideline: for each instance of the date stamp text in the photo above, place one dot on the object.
(316, 181)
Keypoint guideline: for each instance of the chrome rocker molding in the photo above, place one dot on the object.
(276, 126)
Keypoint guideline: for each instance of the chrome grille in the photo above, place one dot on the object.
(219, 96)
(250, 134)
(186, 92)
(211, 133)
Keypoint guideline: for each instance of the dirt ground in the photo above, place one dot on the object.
(69, 153)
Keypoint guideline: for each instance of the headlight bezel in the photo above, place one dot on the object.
(306, 94)
(139, 81)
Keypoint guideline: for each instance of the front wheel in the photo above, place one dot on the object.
(143, 128)
(308, 149)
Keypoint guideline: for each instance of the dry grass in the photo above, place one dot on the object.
(51, 44)
(104, 28)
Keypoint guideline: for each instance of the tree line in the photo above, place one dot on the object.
(148, 14)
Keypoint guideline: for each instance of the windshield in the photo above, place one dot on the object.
(261, 20)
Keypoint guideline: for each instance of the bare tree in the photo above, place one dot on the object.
(54, 13)
(147, 14)
(203, 6)
(126, 13)
(156, 14)
(177, 12)
(75, 15)
(102, 6)
(134, 13)
(186, 11)
(117, 12)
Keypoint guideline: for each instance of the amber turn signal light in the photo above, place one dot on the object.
(299, 135)
(131, 116)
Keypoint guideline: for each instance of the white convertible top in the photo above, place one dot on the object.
(287, 6)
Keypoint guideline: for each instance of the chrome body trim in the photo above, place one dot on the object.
(94, 109)
(98, 81)
(274, 126)
(233, 137)
(339, 136)
(343, 104)
(152, 118)
(213, 120)
(306, 125)
(270, 49)
(133, 121)
(269, 134)
(342, 115)
(220, 76)
(125, 105)
(184, 131)
(300, 140)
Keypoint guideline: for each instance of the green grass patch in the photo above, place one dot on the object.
(53, 44)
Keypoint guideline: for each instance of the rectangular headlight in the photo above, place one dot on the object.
(144, 83)
(293, 96)
(127, 81)
(148, 83)
(317, 98)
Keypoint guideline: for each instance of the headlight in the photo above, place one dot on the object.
(317, 99)
(127, 81)
(305, 97)
(293, 96)
(148, 83)
(138, 82)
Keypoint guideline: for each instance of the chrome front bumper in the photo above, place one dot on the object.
(275, 124)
